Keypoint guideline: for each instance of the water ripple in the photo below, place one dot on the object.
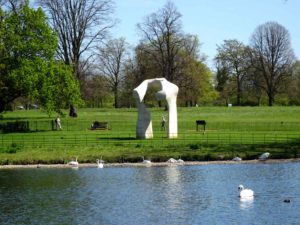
(152, 195)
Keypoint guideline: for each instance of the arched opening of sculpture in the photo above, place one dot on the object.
(168, 92)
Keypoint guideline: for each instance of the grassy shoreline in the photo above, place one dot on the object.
(236, 131)
(120, 154)
(157, 164)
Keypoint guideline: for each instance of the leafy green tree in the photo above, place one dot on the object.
(58, 88)
(27, 51)
(233, 56)
(195, 83)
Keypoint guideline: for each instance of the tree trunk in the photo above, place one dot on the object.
(116, 97)
(271, 99)
(2, 106)
(239, 91)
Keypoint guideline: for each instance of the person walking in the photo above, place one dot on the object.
(163, 123)
(57, 123)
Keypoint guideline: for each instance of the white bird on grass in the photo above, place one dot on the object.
(74, 163)
(264, 156)
(146, 161)
(171, 160)
(180, 160)
(237, 159)
(245, 193)
(100, 163)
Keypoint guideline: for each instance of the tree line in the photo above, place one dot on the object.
(266, 68)
(60, 53)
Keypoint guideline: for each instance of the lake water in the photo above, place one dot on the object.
(151, 195)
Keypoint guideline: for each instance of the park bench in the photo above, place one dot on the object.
(200, 122)
(99, 125)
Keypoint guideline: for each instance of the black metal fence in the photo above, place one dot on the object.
(121, 125)
(123, 139)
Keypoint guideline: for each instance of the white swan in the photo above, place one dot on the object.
(245, 193)
(100, 163)
(171, 160)
(146, 161)
(180, 160)
(237, 159)
(74, 163)
(264, 156)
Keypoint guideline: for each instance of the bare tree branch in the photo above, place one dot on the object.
(81, 25)
(112, 59)
(162, 34)
(272, 56)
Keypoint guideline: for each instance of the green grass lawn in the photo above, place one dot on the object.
(232, 131)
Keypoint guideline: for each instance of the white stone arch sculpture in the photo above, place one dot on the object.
(169, 93)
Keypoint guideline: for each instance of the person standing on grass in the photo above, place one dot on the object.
(57, 123)
(163, 123)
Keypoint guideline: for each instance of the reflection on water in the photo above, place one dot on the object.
(246, 203)
(173, 193)
(151, 195)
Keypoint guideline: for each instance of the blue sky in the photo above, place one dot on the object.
(213, 20)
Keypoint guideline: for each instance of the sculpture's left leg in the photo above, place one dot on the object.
(144, 123)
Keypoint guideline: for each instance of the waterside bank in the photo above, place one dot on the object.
(188, 163)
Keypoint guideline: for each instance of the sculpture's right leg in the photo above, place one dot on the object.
(173, 127)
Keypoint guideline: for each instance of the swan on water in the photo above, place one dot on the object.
(100, 163)
(172, 160)
(74, 163)
(264, 156)
(237, 159)
(245, 193)
(146, 161)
